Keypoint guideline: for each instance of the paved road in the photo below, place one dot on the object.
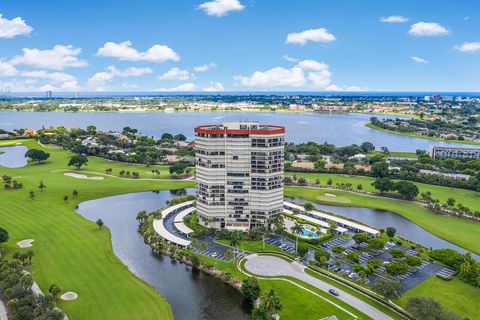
(272, 266)
(3, 311)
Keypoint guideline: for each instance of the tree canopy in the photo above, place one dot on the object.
(37, 155)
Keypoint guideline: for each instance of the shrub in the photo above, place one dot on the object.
(302, 248)
(447, 256)
(319, 253)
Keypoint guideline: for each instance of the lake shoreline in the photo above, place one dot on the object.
(411, 135)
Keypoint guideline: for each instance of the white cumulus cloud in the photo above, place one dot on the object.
(12, 28)
(99, 79)
(427, 29)
(58, 58)
(7, 69)
(469, 47)
(124, 51)
(306, 74)
(275, 77)
(289, 59)
(418, 60)
(220, 8)
(189, 86)
(175, 74)
(394, 19)
(214, 86)
(333, 87)
(314, 35)
(205, 67)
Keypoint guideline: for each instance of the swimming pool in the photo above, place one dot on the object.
(309, 234)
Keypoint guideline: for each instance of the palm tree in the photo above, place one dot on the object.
(271, 302)
(203, 246)
(194, 242)
(54, 290)
(228, 255)
(100, 223)
(297, 229)
(27, 281)
(29, 255)
(332, 226)
(235, 241)
(263, 232)
(41, 185)
(363, 276)
(32, 195)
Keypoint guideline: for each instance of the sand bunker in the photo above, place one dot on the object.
(81, 176)
(68, 296)
(27, 243)
(330, 195)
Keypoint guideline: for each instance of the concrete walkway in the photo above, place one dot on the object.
(3, 311)
(273, 266)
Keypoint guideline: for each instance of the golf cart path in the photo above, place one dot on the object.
(272, 266)
(3, 311)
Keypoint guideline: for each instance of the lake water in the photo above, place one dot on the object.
(13, 157)
(191, 293)
(338, 129)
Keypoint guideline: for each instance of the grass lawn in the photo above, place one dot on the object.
(454, 295)
(70, 250)
(355, 293)
(445, 227)
(371, 126)
(403, 154)
(468, 198)
(296, 301)
(300, 304)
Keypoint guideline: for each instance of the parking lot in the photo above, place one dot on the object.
(283, 243)
(409, 280)
(214, 250)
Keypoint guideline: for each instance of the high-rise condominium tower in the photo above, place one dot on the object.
(239, 174)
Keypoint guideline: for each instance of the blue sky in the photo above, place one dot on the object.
(236, 45)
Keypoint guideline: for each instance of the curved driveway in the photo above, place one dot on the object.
(272, 266)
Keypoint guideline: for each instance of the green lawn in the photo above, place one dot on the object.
(464, 233)
(403, 154)
(355, 293)
(70, 250)
(468, 198)
(454, 295)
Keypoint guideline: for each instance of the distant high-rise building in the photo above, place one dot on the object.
(239, 173)
(49, 94)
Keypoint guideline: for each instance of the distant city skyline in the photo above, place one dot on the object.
(240, 45)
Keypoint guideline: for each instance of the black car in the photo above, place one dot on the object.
(334, 292)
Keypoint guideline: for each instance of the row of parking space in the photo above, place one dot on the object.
(349, 273)
(411, 252)
(425, 263)
(210, 253)
(337, 242)
(446, 272)
(279, 243)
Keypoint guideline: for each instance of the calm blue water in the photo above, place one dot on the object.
(307, 233)
(191, 293)
(13, 157)
(338, 129)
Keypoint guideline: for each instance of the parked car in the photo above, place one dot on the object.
(334, 292)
